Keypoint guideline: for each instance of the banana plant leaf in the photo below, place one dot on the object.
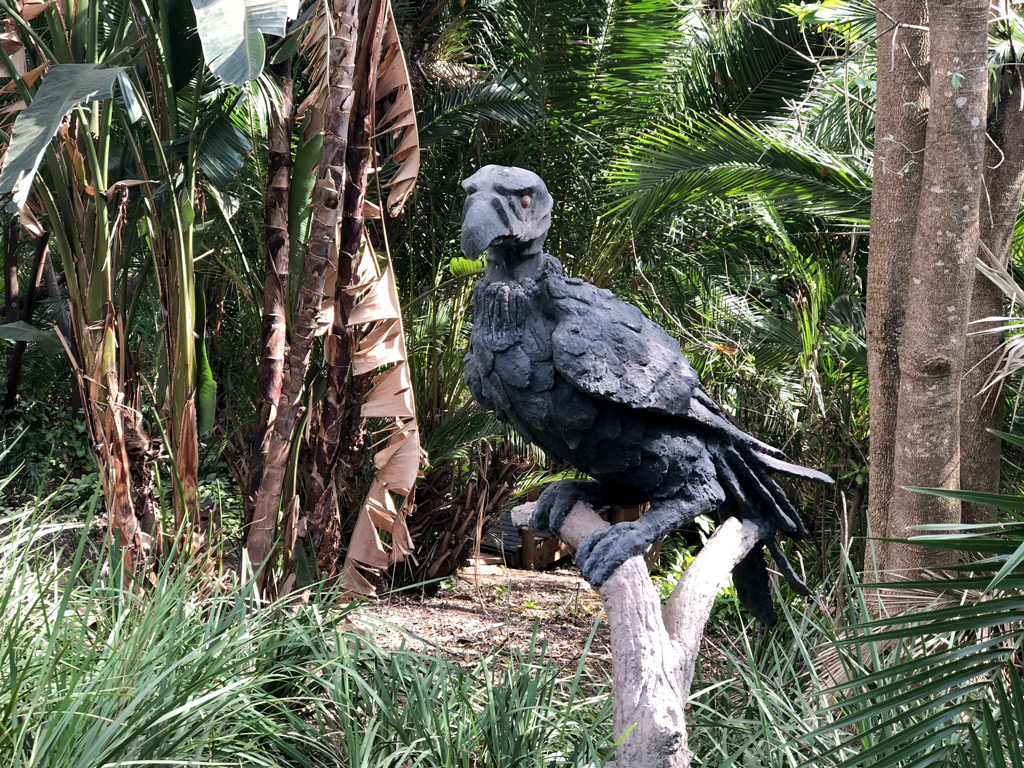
(63, 87)
(232, 34)
(206, 386)
(22, 331)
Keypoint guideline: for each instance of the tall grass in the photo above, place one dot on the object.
(936, 685)
(194, 672)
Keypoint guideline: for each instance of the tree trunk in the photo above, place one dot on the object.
(981, 411)
(322, 493)
(275, 286)
(933, 341)
(326, 208)
(896, 184)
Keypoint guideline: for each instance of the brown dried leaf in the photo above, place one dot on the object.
(383, 346)
(30, 223)
(399, 464)
(400, 118)
(391, 395)
(16, 50)
(380, 302)
(365, 545)
(380, 507)
(316, 49)
(29, 78)
(32, 8)
(15, 107)
(353, 581)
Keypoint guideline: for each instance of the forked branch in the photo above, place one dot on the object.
(654, 651)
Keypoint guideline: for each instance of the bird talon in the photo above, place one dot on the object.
(557, 500)
(602, 552)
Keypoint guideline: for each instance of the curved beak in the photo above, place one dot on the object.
(482, 224)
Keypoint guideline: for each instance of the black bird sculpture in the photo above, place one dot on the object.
(593, 382)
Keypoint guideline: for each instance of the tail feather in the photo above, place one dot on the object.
(752, 493)
(783, 501)
(793, 470)
(705, 411)
(771, 510)
(786, 567)
(753, 587)
(750, 575)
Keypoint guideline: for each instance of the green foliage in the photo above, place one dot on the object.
(55, 457)
(63, 87)
(950, 692)
(701, 158)
(190, 672)
(206, 386)
(467, 267)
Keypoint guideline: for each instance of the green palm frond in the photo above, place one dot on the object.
(691, 160)
(853, 20)
(448, 116)
(749, 61)
(956, 697)
(838, 109)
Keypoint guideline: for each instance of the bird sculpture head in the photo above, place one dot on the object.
(507, 213)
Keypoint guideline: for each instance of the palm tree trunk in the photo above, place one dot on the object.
(275, 289)
(341, 403)
(326, 209)
(933, 342)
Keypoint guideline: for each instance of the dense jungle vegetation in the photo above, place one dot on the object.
(235, 312)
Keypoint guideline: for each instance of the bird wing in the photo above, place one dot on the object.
(610, 350)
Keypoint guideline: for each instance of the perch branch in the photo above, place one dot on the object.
(689, 607)
(653, 654)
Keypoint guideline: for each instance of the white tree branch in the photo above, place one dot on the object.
(653, 654)
(689, 607)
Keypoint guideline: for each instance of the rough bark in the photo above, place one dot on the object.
(654, 652)
(123, 525)
(983, 410)
(326, 209)
(933, 341)
(896, 183)
(322, 494)
(42, 257)
(275, 284)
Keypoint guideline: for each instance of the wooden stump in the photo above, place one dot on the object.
(654, 651)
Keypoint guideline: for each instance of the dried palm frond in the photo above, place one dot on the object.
(399, 121)
(398, 462)
(315, 48)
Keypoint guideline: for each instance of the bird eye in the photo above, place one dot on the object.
(525, 201)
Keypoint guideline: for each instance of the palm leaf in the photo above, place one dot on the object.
(749, 62)
(453, 114)
(399, 121)
(909, 704)
(679, 164)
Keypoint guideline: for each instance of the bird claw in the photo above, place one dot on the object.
(557, 500)
(602, 552)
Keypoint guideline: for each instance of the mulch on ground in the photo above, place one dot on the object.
(489, 609)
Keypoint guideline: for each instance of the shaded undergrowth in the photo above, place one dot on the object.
(194, 671)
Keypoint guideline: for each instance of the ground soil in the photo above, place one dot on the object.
(491, 609)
